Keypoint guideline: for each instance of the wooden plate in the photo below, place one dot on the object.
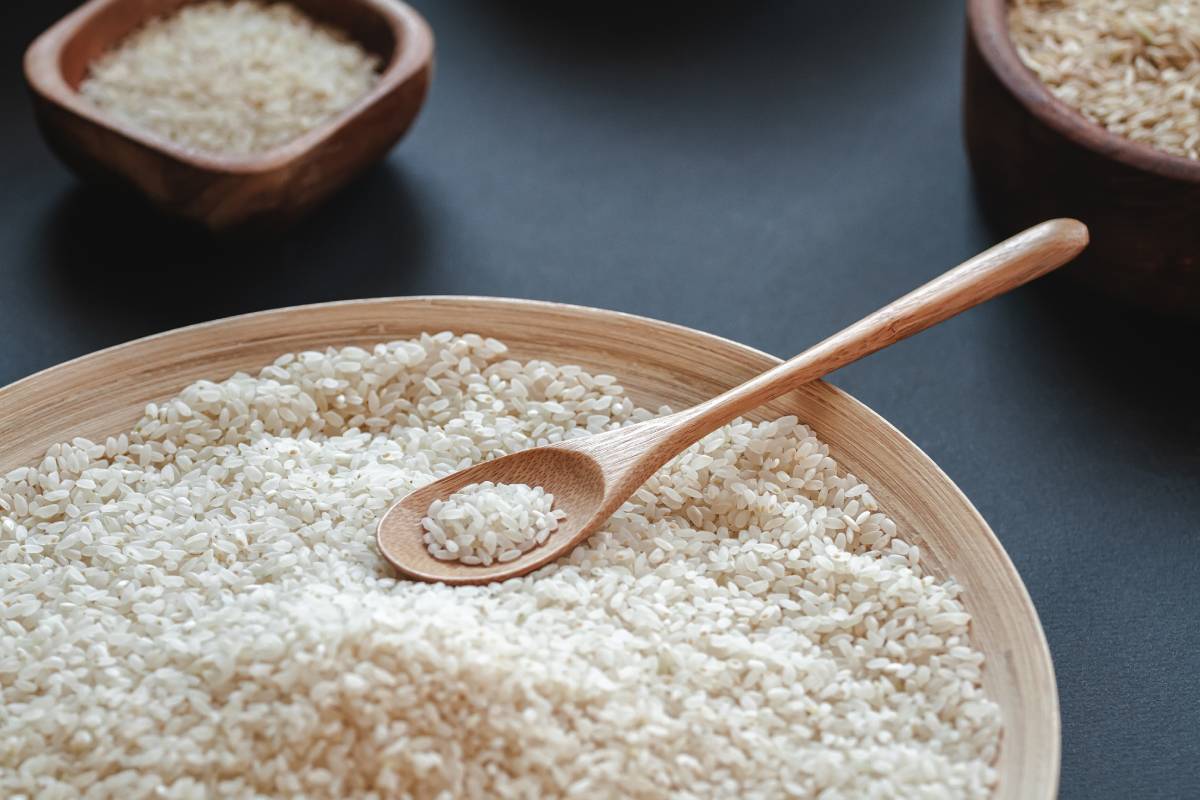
(104, 393)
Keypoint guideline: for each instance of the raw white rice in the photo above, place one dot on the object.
(1132, 66)
(232, 78)
(197, 608)
(488, 522)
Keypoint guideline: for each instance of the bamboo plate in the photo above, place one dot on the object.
(104, 393)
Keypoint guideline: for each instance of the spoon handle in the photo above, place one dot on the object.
(1028, 255)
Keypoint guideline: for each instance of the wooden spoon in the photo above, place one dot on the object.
(590, 477)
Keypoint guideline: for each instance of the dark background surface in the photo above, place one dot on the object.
(767, 171)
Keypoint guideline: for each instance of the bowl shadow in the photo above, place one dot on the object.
(113, 255)
(1139, 369)
(675, 35)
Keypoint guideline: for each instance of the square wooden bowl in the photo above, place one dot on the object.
(222, 192)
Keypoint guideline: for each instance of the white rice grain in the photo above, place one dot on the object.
(213, 618)
(487, 522)
(230, 77)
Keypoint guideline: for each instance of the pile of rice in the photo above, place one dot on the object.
(486, 522)
(1132, 66)
(197, 608)
(231, 78)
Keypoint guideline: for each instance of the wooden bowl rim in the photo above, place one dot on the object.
(987, 23)
(43, 73)
(1030, 771)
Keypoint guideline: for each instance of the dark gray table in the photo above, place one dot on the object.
(764, 171)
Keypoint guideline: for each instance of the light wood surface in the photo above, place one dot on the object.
(592, 476)
(105, 393)
(1034, 157)
(264, 190)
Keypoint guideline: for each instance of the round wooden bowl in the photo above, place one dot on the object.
(1034, 157)
(104, 393)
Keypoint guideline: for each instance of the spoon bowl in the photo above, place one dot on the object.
(574, 477)
(591, 476)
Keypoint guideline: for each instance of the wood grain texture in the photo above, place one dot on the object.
(264, 190)
(1035, 157)
(104, 393)
(592, 476)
